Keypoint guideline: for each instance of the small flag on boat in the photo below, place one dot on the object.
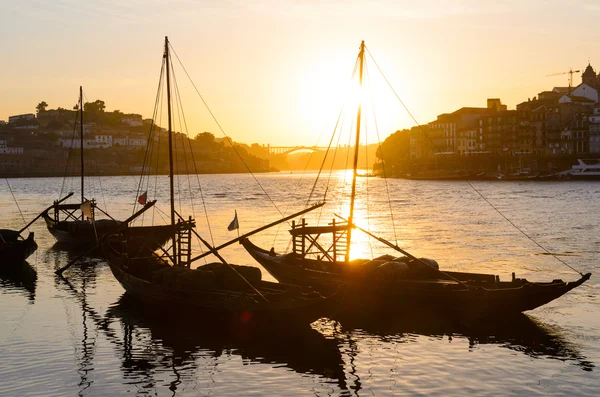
(143, 197)
(86, 209)
(234, 223)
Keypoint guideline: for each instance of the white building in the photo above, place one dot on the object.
(132, 120)
(130, 142)
(4, 149)
(27, 116)
(97, 142)
(585, 91)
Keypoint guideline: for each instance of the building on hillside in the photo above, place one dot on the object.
(496, 104)
(129, 142)
(584, 90)
(27, 127)
(589, 76)
(59, 115)
(132, 120)
(96, 142)
(458, 133)
(594, 131)
(576, 99)
(19, 117)
(506, 132)
(5, 149)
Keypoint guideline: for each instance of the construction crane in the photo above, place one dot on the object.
(570, 73)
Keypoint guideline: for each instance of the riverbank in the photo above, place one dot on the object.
(95, 174)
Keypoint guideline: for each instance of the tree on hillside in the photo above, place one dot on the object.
(205, 139)
(95, 107)
(41, 107)
(395, 150)
(94, 110)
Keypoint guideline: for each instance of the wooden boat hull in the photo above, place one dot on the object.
(214, 302)
(363, 290)
(14, 250)
(86, 234)
(79, 233)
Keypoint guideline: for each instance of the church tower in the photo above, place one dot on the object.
(589, 76)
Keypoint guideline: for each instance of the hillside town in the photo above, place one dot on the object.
(43, 144)
(544, 133)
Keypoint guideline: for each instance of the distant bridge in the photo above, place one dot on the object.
(291, 149)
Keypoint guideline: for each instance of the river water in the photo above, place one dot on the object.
(84, 337)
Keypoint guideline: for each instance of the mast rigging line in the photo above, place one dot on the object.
(400, 100)
(180, 105)
(223, 132)
(15, 200)
(522, 232)
(178, 108)
(380, 147)
(335, 130)
(67, 165)
(325, 158)
(147, 154)
(469, 183)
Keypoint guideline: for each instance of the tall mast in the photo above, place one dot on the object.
(361, 57)
(171, 184)
(81, 140)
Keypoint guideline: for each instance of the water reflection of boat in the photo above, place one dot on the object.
(519, 332)
(304, 350)
(20, 277)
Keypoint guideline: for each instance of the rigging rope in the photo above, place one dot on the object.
(224, 134)
(400, 100)
(67, 165)
(15, 199)
(522, 232)
(149, 145)
(178, 96)
(380, 147)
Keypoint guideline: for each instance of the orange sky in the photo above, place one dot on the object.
(272, 71)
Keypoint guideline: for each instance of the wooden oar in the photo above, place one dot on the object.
(105, 236)
(44, 211)
(260, 229)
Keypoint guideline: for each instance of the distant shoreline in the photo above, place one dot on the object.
(60, 175)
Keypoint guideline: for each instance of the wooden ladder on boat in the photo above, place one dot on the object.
(339, 244)
(298, 240)
(184, 243)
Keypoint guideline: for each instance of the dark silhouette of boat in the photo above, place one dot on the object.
(320, 258)
(75, 225)
(14, 249)
(167, 282)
